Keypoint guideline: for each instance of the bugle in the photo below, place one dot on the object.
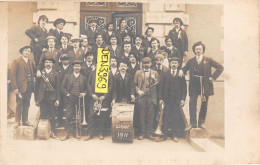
(46, 80)
(78, 120)
(84, 112)
(158, 130)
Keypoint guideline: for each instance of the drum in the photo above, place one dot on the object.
(24, 133)
(122, 122)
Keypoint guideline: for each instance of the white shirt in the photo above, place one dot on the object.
(154, 50)
(88, 63)
(123, 75)
(114, 47)
(138, 47)
(113, 70)
(47, 70)
(65, 66)
(76, 74)
(199, 58)
(64, 46)
(177, 30)
(159, 67)
(147, 74)
(175, 72)
(25, 59)
(75, 50)
(51, 49)
(110, 33)
(126, 54)
(149, 38)
(93, 29)
(166, 63)
(58, 30)
(133, 65)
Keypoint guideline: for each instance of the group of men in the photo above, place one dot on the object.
(62, 71)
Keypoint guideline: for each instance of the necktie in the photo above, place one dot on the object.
(173, 73)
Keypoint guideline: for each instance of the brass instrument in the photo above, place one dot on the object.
(145, 92)
(158, 130)
(78, 120)
(46, 80)
(97, 106)
(84, 112)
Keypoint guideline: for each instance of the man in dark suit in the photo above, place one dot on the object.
(74, 87)
(122, 30)
(57, 32)
(89, 65)
(139, 49)
(76, 53)
(124, 85)
(200, 65)
(124, 55)
(22, 83)
(165, 52)
(64, 68)
(147, 38)
(145, 81)
(48, 95)
(92, 31)
(38, 34)
(179, 38)
(114, 48)
(97, 122)
(84, 44)
(174, 52)
(155, 44)
(173, 93)
(98, 44)
(64, 48)
(133, 66)
(108, 33)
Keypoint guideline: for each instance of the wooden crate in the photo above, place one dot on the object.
(122, 122)
(44, 129)
(24, 133)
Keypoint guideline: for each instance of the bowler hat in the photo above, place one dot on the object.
(146, 60)
(148, 29)
(67, 35)
(77, 62)
(25, 47)
(64, 57)
(59, 20)
(89, 53)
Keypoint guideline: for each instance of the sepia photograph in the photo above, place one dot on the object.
(118, 83)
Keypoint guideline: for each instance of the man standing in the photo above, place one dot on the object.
(114, 48)
(145, 83)
(57, 32)
(127, 46)
(133, 66)
(84, 44)
(76, 53)
(147, 38)
(155, 44)
(179, 38)
(49, 93)
(65, 48)
(200, 75)
(22, 82)
(173, 94)
(92, 31)
(73, 87)
(108, 33)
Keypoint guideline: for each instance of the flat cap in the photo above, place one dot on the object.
(77, 62)
(51, 37)
(64, 57)
(25, 47)
(49, 58)
(174, 59)
(74, 39)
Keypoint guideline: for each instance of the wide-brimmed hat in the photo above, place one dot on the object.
(25, 47)
(59, 20)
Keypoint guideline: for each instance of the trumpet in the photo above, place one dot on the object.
(97, 106)
(84, 111)
(46, 80)
(78, 121)
(158, 130)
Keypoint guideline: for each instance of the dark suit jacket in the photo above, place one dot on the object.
(115, 53)
(60, 70)
(54, 81)
(18, 74)
(119, 33)
(132, 71)
(123, 57)
(175, 53)
(91, 89)
(123, 86)
(67, 84)
(106, 37)
(78, 56)
(95, 49)
(87, 70)
(180, 88)
(208, 64)
(139, 83)
(37, 32)
(180, 43)
(91, 35)
(57, 35)
(145, 42)
(55, 55)
(64, 51)
(141, 52)
(152, 54)
(89, 48)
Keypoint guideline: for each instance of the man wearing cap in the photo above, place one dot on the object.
(173, 94)
(114, 48)
(38, 34)
(97, 123)
(63, 69)
(57, 32)
(139, 49)
(48, 95)
(76, 53)
(179, 38)
(50, 52)
(147, 38)
(64, 47)
(200, 66)
(73, 87)
(84, 44)
(145, 83)
(22, 83)
(91, 31)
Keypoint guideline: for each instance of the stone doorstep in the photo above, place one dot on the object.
(205, 145)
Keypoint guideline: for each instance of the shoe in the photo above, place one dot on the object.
(189, 127)
(175, 139)
(141, 137)
(53, 135)
(202, 126)
(101, 137)
(159, 139)
(65, 137)
(150, 137)
(88, 138)
(16, 124)
(27, 123)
